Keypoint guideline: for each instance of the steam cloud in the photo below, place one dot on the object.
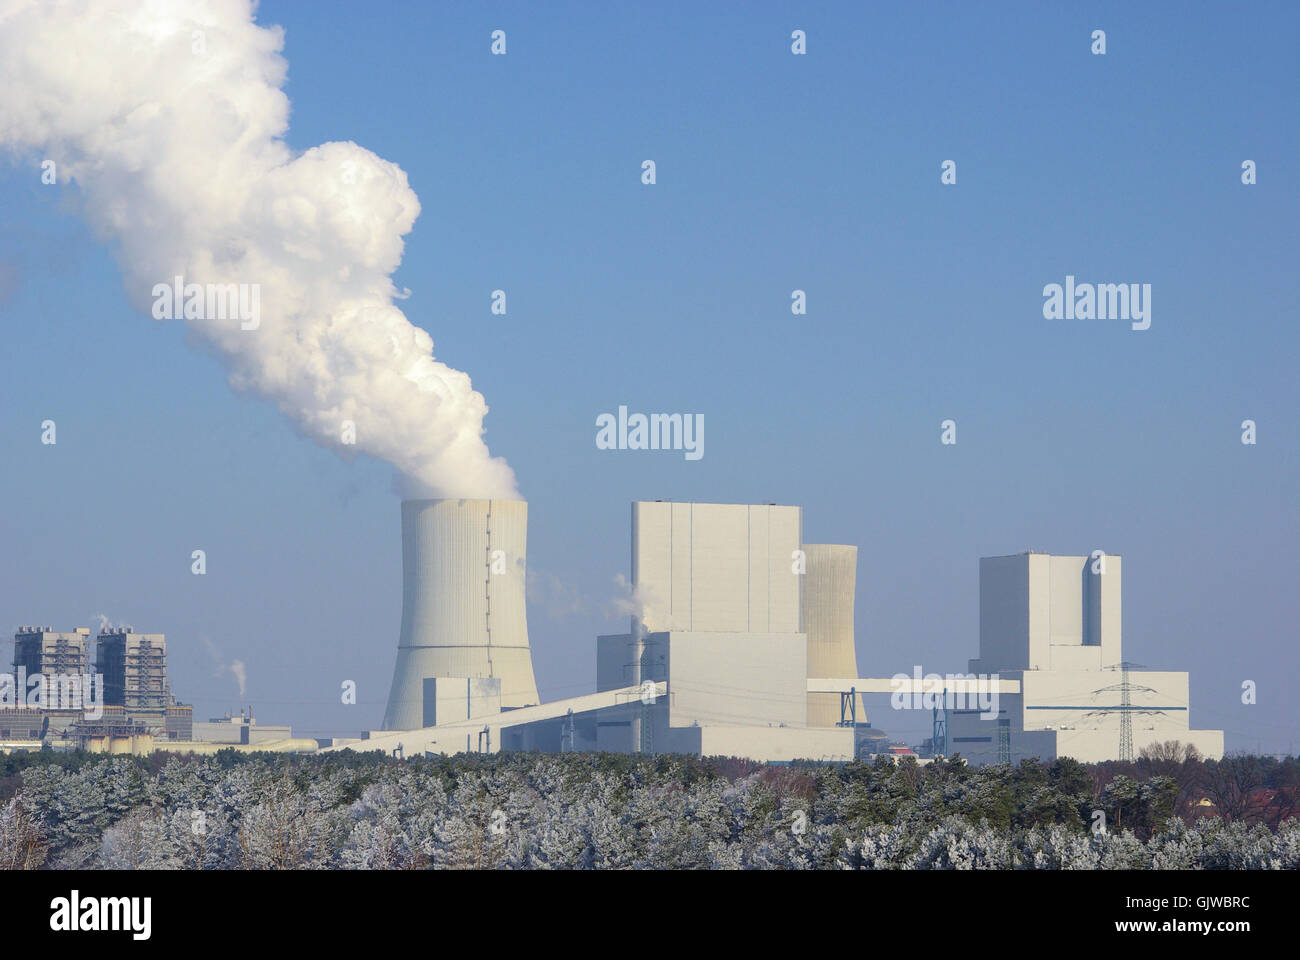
(235, 668)
(169, 116)
(240, 673)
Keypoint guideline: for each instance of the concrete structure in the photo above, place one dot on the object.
(742, 644)
(1054, 624)
(142, 745)
(131, 697)
(715, 662)
(243, 729)
(134, 666)
(448, 699)
(830, 584)
(21, 723)
(41, 650)
(463, 596)
(716, 567)
(524, 728)
(728, 694)
(720, 588)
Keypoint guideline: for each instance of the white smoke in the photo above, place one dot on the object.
(106, 623)
(645, 606)
(235, 668)
(168, 115)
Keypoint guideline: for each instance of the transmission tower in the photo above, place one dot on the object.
(1125, 715)
(1126, 708)
(568, 734)
(939, 732)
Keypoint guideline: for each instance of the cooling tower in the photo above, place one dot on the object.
(463, 565)
(830, 582)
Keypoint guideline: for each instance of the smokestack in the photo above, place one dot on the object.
(463, 566)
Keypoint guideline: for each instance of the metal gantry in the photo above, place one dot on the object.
(939, 734)
(568, 733)
(849, 708)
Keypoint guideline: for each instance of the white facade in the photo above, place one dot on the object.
(716, 567)
(1053, 623)
(721, 620)
(830, 584)
(448, 699)
(463, 614)
(743, 643)
(1040, 612)
(728, 694)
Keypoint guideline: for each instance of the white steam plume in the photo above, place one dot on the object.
(168, 114)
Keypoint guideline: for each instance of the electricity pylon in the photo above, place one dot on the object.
(1126, 709)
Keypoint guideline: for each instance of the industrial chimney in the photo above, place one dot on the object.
(463, 566)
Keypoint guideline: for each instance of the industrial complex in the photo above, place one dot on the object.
(742, 644)
(53, 700)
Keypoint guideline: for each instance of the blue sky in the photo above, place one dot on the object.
(775, 173)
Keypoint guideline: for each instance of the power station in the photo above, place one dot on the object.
(742, 644)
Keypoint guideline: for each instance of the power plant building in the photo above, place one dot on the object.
(742, 644)
(41, 650)
(720, 589)
(715, 662)
(1053, 623)
(134, 666)
(130, 698)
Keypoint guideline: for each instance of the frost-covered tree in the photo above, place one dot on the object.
(958, 845)
(605, 811)
(22, 842)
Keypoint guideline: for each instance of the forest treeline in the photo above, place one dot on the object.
(1169, 809)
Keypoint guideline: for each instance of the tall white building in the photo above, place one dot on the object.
(720, 589)
(1054, 623)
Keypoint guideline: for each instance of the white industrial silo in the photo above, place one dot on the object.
(463, 596)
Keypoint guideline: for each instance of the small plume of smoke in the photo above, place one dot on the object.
(640, 603)
(105, 624)
(169, 115)
(235, 668)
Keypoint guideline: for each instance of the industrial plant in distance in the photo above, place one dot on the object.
(742, 646)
